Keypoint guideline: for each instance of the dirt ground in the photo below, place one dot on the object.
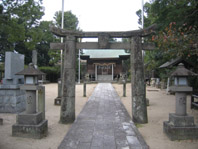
(56, 131)
(158, 112)
(160, 106)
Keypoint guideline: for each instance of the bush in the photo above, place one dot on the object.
(52, 72)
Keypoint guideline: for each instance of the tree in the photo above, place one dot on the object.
(177, 30)
(70, 23)
(18, 28)
(70, 20)
(43, 46)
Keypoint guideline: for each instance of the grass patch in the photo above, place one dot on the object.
(138, 125)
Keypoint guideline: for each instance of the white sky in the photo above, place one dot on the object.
(98, 15)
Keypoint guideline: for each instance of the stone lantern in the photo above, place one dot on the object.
(181, 125)
(31, 123)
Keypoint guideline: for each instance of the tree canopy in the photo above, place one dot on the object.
(22, 30)
(177, 30)
(19, 20)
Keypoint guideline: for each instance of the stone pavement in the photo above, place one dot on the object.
(103, 124)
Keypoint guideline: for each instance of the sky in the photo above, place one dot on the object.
(98, 15)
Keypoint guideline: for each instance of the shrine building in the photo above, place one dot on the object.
(104, 64)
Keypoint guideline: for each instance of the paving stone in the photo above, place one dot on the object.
(84, 145)
(103, 124)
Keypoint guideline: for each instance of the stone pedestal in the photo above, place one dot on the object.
(12, 99)
(180, 127)
(31, 123)
(57, 100)
(30, 126)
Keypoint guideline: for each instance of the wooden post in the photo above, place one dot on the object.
(41, 101)
(67, 114)
(139, 108)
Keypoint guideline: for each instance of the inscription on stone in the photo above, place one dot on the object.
(103, 41)
(29, 100)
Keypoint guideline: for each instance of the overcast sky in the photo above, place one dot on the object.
(98, 15)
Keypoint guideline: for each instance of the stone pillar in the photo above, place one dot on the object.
(139, 108)
(57, 100)
(168, 84)
(67, 114)
(112, 72)
(34, 57)
(96, 72)
(41, 101)
(124, 88)
(84, 89)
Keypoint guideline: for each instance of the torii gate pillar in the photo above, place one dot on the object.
(67, 114)
(138, 93)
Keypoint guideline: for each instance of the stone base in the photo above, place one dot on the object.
(57, 101)
(181, 121)
(12, 99)
(180, 133)
(30, 131)
(29, 119)
(1, 121)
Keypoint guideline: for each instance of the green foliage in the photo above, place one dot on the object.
(19, 19)
(179, 41)
(177, 31)
(52, 73)
(43, 46)
(70, 23)
(1, 67)
(21, 30)
(70, 20)
(50, 70)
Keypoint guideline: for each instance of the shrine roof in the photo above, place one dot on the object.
(104, 53)
(175, 62)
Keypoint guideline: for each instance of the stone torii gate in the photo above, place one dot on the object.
(139, 109)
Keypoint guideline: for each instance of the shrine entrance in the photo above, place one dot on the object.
(135, 45)
(104, 72)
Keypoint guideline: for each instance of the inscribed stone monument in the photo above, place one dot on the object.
(12, 99)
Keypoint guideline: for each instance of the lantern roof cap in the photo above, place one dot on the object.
(182, 71)
(30, 71)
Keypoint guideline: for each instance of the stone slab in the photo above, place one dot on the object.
(104, 123)
(180, 133)
(29, 119)
(13, 63)
(12, 100)
(30, 131)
